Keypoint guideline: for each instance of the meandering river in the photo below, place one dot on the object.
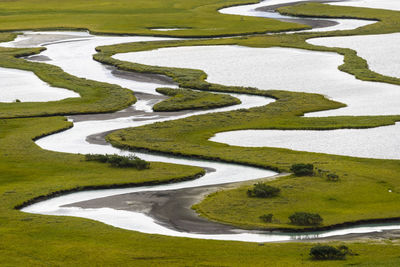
(73, 54)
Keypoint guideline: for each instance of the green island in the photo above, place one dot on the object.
(95, 97)
(183, 99)
(29, 173)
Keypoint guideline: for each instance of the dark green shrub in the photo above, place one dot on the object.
(119, 161)
(96, 157)
(17, 101)
(263, 190)
(332, 177)
(323, 252)
(305, 218)
(301, 169)
(266, 218)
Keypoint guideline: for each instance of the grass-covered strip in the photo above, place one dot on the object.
(388, 20)
(184, 99)
(26, 172)
(30, 171)
(96, 97)
(337, 203)
(28, 239)
(196, 18)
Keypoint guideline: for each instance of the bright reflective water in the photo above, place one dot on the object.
(282, 69)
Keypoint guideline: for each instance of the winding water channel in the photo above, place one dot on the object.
(73, 52)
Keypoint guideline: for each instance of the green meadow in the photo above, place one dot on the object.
(338, 203)
(28, 172)
(195, 18)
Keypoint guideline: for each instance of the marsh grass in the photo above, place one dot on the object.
(186, 99)
(194, 18)
(27, 172)
(95, 97)
(338, 203)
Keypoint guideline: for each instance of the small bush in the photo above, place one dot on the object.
(263, 191)
(266, 218)
(96, 157)
(332, 177)
(17, 101)
(302, 169)
(323, 252)
(305, 218)
(119, 161)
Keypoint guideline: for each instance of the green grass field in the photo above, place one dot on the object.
(28, 172)
(36, 240)
(95, 97)
(341, 202)
(197, 18)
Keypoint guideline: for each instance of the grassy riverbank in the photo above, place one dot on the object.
(194, 18)
(184, 99)
(337, 203)
(35, 240)
(31, 171)
(95, 97)
(28, 172)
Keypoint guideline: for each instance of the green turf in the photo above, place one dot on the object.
(197, 18)
(95, 97)
(189, 137)
(184, 99)
(27, 172)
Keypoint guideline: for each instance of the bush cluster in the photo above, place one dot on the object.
(263, 190)
(301, 169)
(331, 177)
(119, 161)
(266, 218)
(324, 252)
(305, 218)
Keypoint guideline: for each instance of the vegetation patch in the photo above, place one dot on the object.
(118, 161)
(186, 99)
(337, 203)
(263, 190)
(326, 252)
(267, 217)
(95, 97)
(301, 169)
(27, 171)
(305, 219)
(198, 18)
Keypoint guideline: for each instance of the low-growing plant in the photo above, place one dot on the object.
(266, 217)
(301, 169)
(325, 252)
(97, 157)
(333, 177)
(118, 161)
(305, 218)
(263, 190)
